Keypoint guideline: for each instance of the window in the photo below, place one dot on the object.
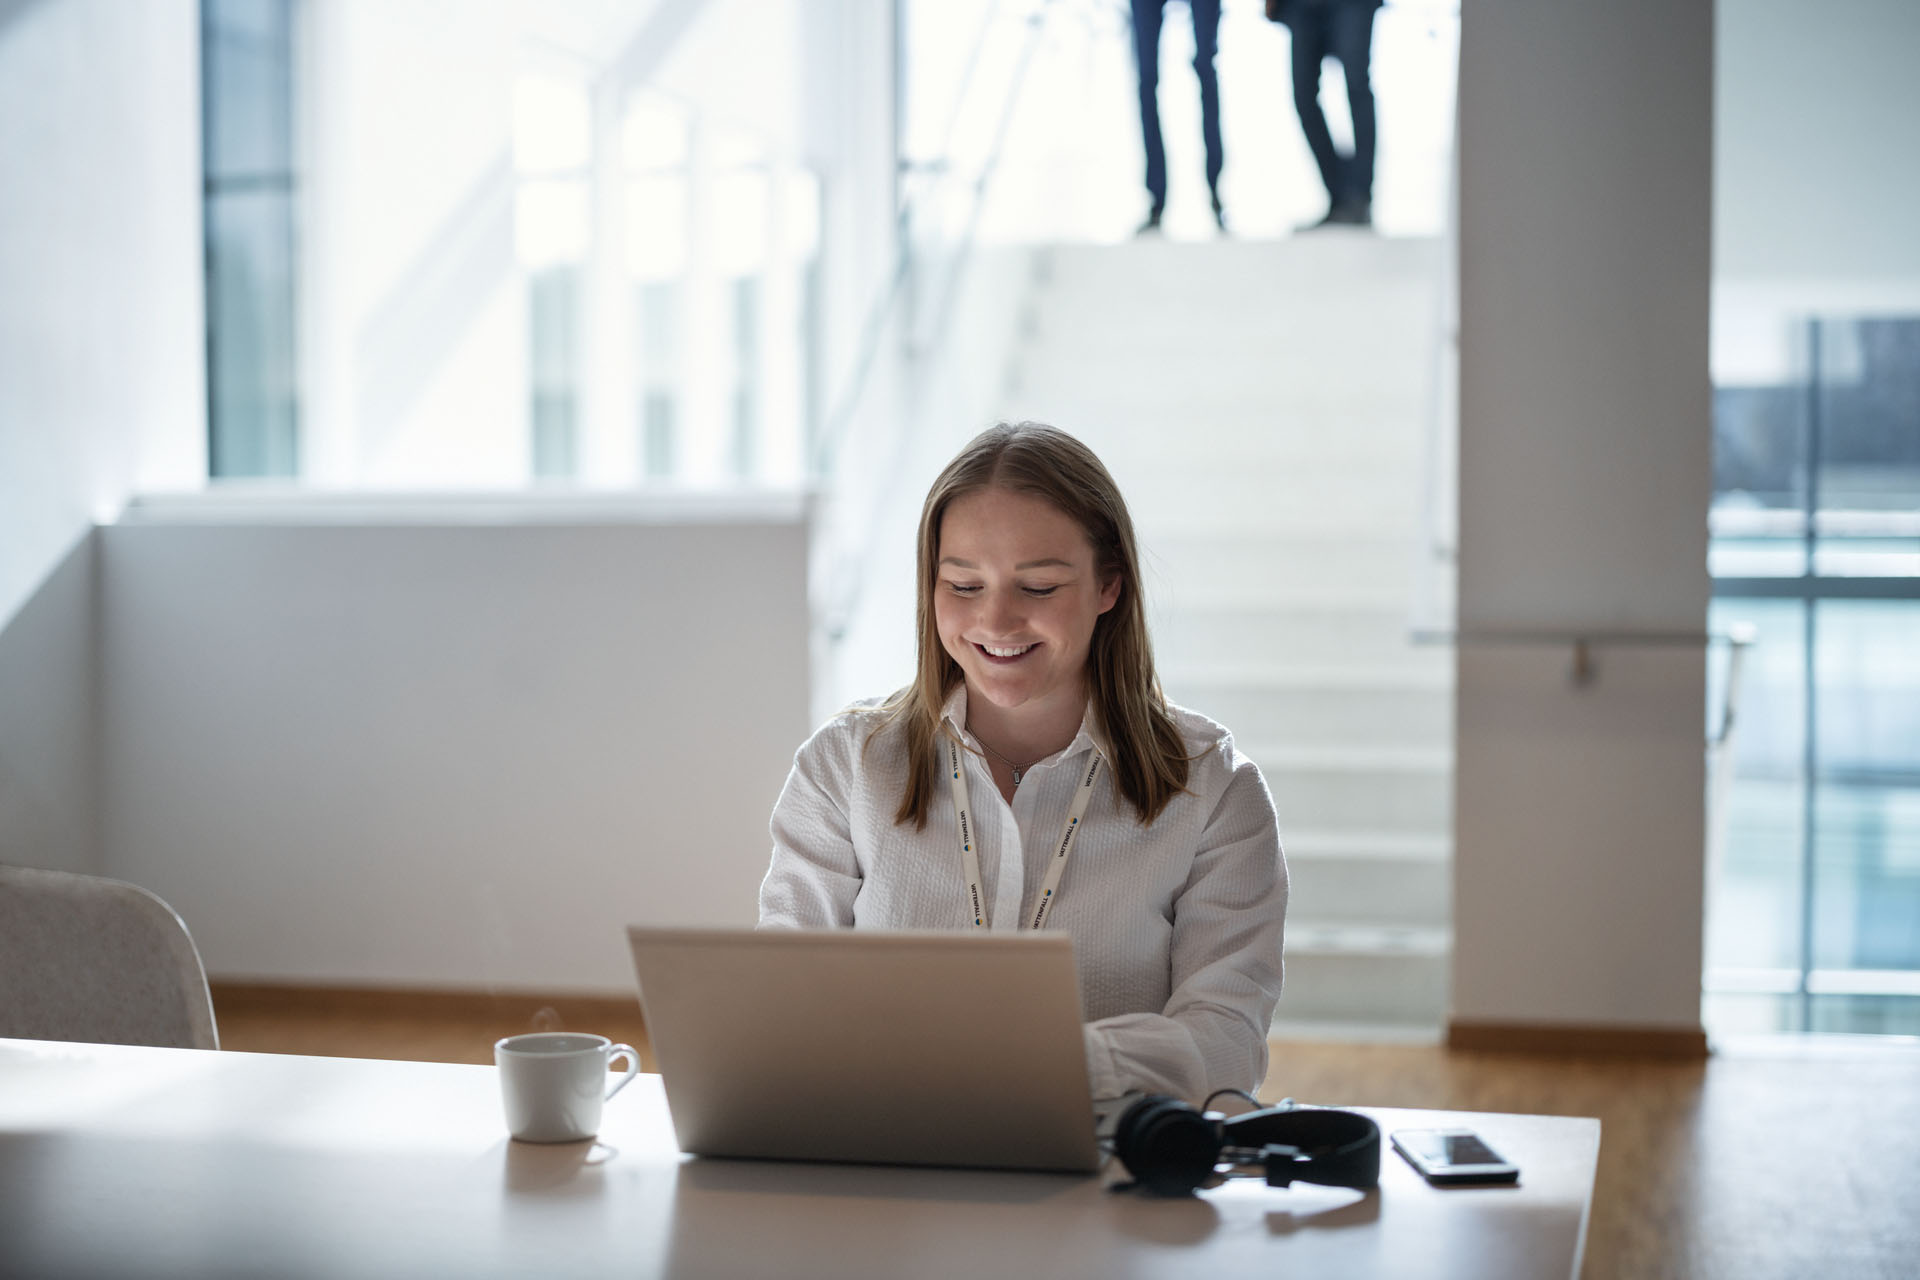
(246, 62)
(1814, 913)
(522, 268)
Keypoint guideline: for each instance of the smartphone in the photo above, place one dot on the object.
(1453, 1156)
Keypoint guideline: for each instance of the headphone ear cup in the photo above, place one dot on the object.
(1167, 1146)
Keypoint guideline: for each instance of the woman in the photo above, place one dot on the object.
(1037, 714)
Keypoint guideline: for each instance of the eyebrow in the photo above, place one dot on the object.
(1048, 563)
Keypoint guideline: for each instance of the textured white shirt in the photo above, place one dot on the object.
(1176, 926)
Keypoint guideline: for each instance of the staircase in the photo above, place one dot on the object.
(1264, 406)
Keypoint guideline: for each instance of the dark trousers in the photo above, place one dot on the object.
(1343, 31)
(1147, 15)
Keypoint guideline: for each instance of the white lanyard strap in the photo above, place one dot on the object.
(970, 855)
(1050, 887)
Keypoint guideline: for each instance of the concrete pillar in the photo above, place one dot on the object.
(1585, 439)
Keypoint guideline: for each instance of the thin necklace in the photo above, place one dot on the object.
(1018, 769)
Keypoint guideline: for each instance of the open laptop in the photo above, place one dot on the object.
(889, 1047)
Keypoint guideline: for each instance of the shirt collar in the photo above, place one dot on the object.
(954, 712)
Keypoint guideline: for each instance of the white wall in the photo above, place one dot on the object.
(101, 352)
(448, 755)
(47, 777)
(1585, 170)
(1815, 166)
(101, 345)
(1816, 130)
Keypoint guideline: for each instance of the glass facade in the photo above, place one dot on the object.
(1814, 907)
(246, 61)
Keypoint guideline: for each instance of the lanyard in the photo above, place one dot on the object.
(970, 856)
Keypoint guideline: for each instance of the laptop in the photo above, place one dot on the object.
(955, 1049)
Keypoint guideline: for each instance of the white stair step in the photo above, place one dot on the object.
(1071, 351)
(1379, 891)
(1319, 268)
(1314, 520)
(1276, 677)
(1200, 412)
(1341, 708)
(1274, 437)
(1196, 566)
(1277, 498)
(1302, 428)
(1393, 846)
(1382, 466)
(1366, 940)
(1225, 639)
(1410, 761)
(1401, 988)
(1372, 790)
(1351, 1031)
(1249, 327)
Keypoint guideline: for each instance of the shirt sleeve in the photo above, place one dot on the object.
(1228, 924)
(814, 875)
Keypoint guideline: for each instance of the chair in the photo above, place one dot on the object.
(83, 958)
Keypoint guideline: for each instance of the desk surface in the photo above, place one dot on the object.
(174, 1162)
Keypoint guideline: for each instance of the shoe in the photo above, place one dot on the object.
(1152, 224)
(1219, 215)
(1344, 213)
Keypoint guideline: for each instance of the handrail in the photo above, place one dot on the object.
(950, 287)
(1584, 640)
(1440, 499)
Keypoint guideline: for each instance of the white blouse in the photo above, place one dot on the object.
(1176, 926)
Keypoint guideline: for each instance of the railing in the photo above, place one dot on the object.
(1584, 671)
(1437, 557)
(1583, 643)
(925, 182)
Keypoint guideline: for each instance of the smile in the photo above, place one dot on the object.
(1003, 653)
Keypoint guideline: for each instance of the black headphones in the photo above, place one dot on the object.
(1173, 1148)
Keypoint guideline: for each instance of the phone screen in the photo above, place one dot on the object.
(1453, 1148)
(1453, 1155)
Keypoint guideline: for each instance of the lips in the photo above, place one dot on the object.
(1000, 654)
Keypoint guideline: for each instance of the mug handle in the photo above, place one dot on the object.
(633, 1066)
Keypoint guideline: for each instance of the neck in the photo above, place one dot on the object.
(1029, 733)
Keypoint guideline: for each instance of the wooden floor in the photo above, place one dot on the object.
(1767, 1160)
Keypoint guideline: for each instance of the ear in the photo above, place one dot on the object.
(1110, 593)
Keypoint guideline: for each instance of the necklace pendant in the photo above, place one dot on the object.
(1016, 775)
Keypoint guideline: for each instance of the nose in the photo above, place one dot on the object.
(1003, 614)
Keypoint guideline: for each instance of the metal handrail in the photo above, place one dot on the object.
(1584, 641)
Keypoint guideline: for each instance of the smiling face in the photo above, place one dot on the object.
(1016, 596)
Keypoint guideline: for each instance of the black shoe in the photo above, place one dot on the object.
(1344, 213)
(1152, 223)
(1219, 215)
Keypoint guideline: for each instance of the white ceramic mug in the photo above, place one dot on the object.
(554, 1082)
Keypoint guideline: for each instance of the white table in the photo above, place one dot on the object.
(174, 1162)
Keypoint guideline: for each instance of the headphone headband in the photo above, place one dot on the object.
(1171, 1148)
(1320, 1144)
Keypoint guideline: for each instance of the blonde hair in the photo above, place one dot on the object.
(1149, 759)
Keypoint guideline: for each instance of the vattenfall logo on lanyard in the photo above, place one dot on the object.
(970, 858)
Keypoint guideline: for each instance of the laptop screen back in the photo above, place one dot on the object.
(908, 1048)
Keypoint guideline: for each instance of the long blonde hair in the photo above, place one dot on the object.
(1150, 760)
